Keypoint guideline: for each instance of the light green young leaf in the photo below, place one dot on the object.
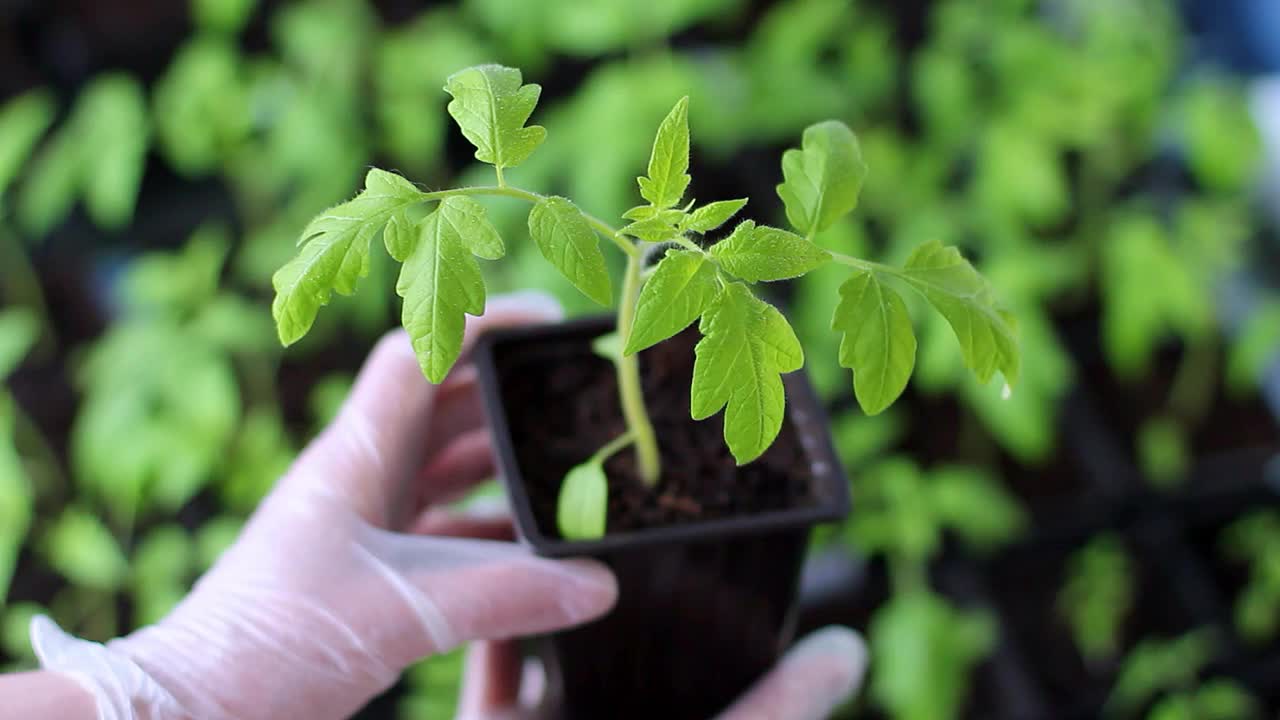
(22, 121)
(669, 163)
(680, 289)
(335, 252)
(652, 229)
(491, 107)
(568, 242)
(584, 497)
(225, 16)
(879, 344)
(15, 629)
(975, 505)
(84, 551)
(164, 557)
(1097, 596)
(754, 253)
(441, 284)
(746, 344)
(670, 216)
(711, 216)
(965, 299)
(111, 118)
(823, 179)
(18, 332)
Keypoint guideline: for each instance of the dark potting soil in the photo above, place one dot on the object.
(562, 405)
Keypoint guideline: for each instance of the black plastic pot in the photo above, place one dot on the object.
(704, 608)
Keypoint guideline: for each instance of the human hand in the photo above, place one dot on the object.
(817, 675)
(330, 592)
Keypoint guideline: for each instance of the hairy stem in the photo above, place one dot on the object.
(629, 390)
(596, 224)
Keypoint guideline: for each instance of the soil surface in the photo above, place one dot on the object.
(562, 404)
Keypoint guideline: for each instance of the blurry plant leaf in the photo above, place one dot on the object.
(434, 686)
(754, 253)
(1159, 664)
(878, 343)
(711, 216)
(1253, 351)
(99, 154)
(411, 64)
(923, 651)
(965, 299)
(975, 506)
(84, 551)
(162, 566)
(897, 517)
(15, 629)
(746, 344)
(261, 454)
(823, 179)
(327, 397)
(1021, 174)
(567, 241)
(1138, 316)
(19, 330)
(23, 120)
(583, 499)
(1224, 147)
(1097, 597)
(214, 537)
(441, 282)
(115, 127)
(335, 252)
(681, 288)
(16, 496)
(861, 438)
(225, 16)
(1255, 540)
(236, 325)
(669, 163)
(1163, 452)
(178, 282)
(491, 107)
(202, 104)
(159, 412)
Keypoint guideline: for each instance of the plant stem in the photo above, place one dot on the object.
(596, 224)
(861, 264)
(629, 390)
(613, 446)
(501, 181)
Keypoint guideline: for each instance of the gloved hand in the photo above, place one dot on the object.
(333, 589)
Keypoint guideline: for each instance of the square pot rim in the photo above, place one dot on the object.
(834, 504)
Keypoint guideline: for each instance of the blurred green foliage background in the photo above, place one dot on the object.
(1100, 177)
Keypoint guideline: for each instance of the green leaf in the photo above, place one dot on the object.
(923, 651)
(22, 121)
(965, 299)
(226, 16)
(18, 332)
(669, 163)
(711, 216)
(214, 537)
(164, 557)
(491, 107)
(754, 253)
(584, 497)
(335, 252)
(111, 118)
(879, 344)
(84, 551)
(15, 628)
(1097, 596)
(566, 240)
(682, 286)
(654, 229)
(16, 501)
(975, 506)
(441, 283)
(823, 178)
(746, 344)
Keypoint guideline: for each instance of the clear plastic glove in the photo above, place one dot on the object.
(335, 587)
